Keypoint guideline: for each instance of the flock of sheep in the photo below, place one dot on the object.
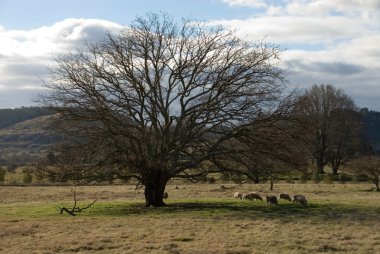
(271, 199)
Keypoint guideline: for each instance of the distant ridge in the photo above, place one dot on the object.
(27, 141)
(9, 117)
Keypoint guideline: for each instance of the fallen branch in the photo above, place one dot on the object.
(75, 209)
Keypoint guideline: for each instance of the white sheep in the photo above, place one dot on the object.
(166, 195)
(272, 200)
(285, 196)
(300, 199)
(252, 196)
(238, 195)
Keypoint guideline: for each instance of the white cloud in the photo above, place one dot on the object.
(331, 41)
(311, 7)
(325, 7)
(362, 51)
(297, 29)
(26, 55)
(247, 3)
(307, 21)
(56, 38)
(353, 65)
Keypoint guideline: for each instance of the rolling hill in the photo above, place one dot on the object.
(26, 141)
(9, 117)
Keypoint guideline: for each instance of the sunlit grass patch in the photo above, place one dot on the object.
(32, 209)
(236, 209)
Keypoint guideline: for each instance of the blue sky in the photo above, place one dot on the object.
(326, 41)
(28, 14)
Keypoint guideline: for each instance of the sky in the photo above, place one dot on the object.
(333, 42)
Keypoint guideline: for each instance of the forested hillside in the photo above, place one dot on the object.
(26, 141)
(9, 117)
(371, 122)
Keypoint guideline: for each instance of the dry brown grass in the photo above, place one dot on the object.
(200, 218)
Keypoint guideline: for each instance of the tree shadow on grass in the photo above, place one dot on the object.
(247, 210)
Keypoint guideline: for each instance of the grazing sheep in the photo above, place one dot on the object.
(166, 195)
(252, 196)
(285, 196)
(238, 195)
(272, 200)
(300, 199)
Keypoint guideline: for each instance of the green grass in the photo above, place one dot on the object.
(319, 211)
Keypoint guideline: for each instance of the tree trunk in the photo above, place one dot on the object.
(336, 162)
(271, 183)
(154, 190)
(320, 165)
(335, 168)
(376, 182)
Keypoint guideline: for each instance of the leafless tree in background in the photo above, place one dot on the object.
(344, 139)
(369, 166)
(330, 120)
(160, 98)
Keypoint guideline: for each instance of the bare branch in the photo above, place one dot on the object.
(75, 209)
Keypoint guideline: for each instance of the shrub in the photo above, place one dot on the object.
(335, 177)
(225, 178)
(361, 178)
(304, 177)
(211, 179)
(12, 168)
(2, 174)
(290, 177)
(369, 166)
(315, 177)
(344, 178)
(328, 178)
(289, 181)
(27, 179)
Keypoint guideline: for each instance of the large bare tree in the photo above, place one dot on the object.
(161, 98)
(331, 125)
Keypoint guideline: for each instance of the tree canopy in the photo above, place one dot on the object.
(162, 98)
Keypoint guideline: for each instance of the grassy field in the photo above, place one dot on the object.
(202, 218)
